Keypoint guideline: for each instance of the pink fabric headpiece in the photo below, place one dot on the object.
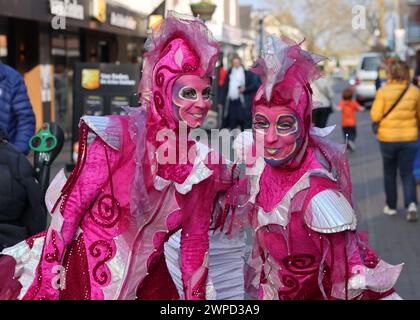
(181, 45)
(286, 72)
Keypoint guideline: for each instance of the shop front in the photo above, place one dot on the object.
(43, 40)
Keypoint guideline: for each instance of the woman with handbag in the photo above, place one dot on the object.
(396, 119)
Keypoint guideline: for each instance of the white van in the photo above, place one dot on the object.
(366, 75)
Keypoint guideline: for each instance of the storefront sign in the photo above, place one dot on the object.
(116, 79)
(98, 10)
(93, 79)
(67, 8)
(123, 21)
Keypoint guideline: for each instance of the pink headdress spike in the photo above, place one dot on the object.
(283, 59)
(273, 64)
(193, 33)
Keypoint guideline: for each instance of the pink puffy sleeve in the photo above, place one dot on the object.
(91, 174)
(100, 163)
(96, 162)
(353, 268)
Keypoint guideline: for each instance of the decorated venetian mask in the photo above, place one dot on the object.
(282, 133)
(191, 99)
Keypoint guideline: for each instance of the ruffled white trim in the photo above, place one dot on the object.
(280, 214)
(200, 172)
(27, 260)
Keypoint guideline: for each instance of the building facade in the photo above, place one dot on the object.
(225, 25)
(413, 33)
(42, 39)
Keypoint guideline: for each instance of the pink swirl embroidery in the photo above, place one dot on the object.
(160, 78)
(158, 100)
(302, 264)
(291, 285)
(101, 277)
(107, 213)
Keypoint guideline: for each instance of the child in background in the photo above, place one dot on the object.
(348, 107)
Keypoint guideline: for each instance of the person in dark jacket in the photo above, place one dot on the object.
(235, 100)
(16, 115)
(21, 211)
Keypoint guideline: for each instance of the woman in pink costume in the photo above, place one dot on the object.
(306, 242)
(122, 201)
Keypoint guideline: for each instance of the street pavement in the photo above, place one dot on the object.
(394, 239)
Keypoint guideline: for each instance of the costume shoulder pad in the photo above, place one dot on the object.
(109, 129)
(329, 212)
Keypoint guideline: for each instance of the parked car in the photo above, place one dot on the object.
(366, 75)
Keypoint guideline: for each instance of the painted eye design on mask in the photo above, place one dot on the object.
(207, 93)
(260, 122)
(286, 124)
(188, 93)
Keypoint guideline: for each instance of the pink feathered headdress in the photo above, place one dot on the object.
(286, 72)
(181, 45)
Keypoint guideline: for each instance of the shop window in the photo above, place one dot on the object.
(65, 51)
(3, 46)
(3, 39)
(133, 50)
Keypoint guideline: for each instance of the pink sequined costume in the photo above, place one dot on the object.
(120, 205)
(300, 199)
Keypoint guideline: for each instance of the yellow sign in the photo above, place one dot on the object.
(98, 10)
(154, 21)
(90, 79)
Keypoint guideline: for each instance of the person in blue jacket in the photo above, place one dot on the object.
(16, 115)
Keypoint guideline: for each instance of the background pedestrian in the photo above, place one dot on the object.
(348, 107)
(236, 96)
(398, 134)
(16, 115)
